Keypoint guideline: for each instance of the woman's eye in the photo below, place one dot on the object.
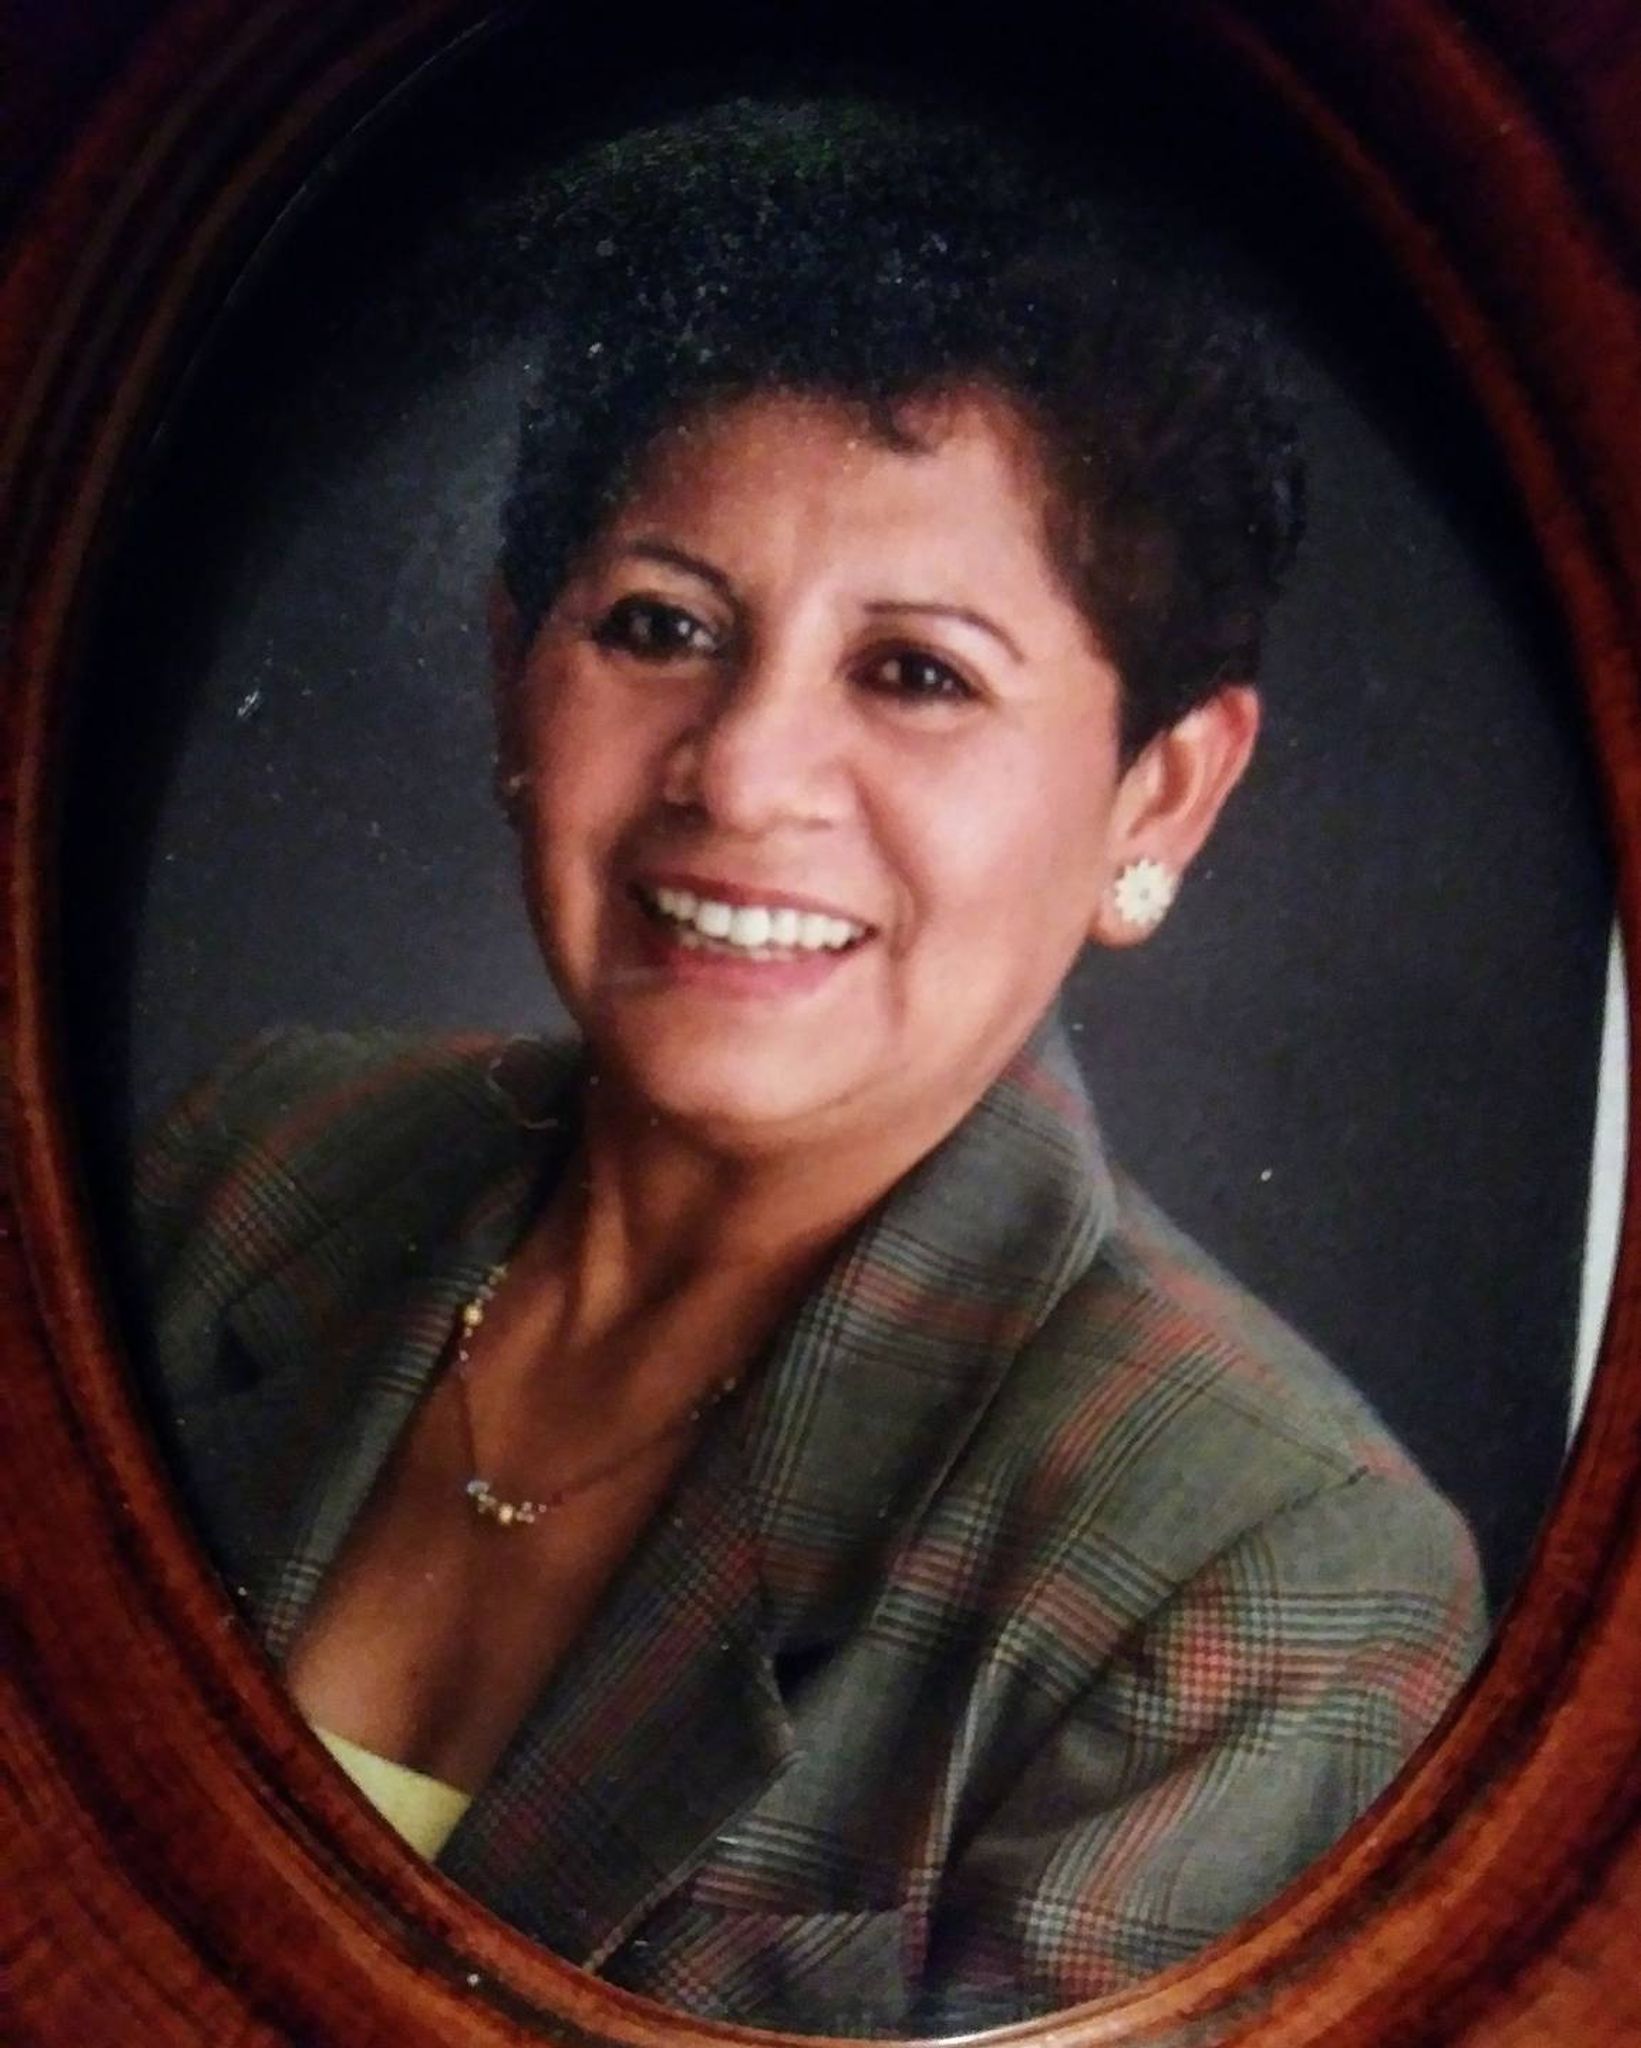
(653, 630)
(919, 678)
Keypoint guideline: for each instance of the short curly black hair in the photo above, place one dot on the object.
(876, 256)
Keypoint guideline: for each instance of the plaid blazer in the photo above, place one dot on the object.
(1042, 1607)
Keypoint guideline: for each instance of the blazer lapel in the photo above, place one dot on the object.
(874, 1392)
(378, 1377)
(662, 1724)
(412, 1256)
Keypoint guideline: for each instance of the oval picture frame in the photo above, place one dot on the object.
(183, 1868)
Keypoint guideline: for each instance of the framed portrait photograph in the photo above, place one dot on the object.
(818, 1027)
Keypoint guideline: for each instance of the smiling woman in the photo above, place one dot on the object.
(769, 687)
(755, 1491)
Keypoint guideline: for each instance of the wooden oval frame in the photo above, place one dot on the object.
(182, 1867)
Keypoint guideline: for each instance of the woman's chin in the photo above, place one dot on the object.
(737, 1090)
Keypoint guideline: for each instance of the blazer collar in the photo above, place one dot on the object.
(667, 1719)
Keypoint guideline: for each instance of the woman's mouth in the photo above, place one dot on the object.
(756, 931)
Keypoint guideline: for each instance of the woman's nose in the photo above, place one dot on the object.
(766, 750)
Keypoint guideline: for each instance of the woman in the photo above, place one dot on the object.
(757, 1494)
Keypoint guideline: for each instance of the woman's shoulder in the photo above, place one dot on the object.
(1183, 1416)
(283, 1073)
(300, 1123)
(1251, 1356)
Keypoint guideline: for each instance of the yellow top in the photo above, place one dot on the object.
(424, 1810)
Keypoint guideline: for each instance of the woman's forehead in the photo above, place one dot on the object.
(952, 475)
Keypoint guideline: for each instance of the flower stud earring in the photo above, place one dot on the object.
(1142, 892)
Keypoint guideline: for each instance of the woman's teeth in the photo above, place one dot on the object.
(750, 928)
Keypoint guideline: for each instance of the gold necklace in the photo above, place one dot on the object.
(491, 1506)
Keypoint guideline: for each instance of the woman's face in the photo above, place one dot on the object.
(823, 773)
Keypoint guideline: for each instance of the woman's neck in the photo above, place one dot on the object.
(647, 1214)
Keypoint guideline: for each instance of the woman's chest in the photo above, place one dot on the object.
(438, 1625)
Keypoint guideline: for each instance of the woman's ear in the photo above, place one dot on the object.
(1165, 807)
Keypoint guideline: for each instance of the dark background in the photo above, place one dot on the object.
(1359, 1059)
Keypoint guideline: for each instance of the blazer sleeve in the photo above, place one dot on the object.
(1234, 1737)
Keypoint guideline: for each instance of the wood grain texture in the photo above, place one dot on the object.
(181, 1866)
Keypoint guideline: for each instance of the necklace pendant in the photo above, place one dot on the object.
(489, 1505)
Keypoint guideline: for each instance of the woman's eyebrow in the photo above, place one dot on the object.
(679, 558)
(649, 549)
(947, 611)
